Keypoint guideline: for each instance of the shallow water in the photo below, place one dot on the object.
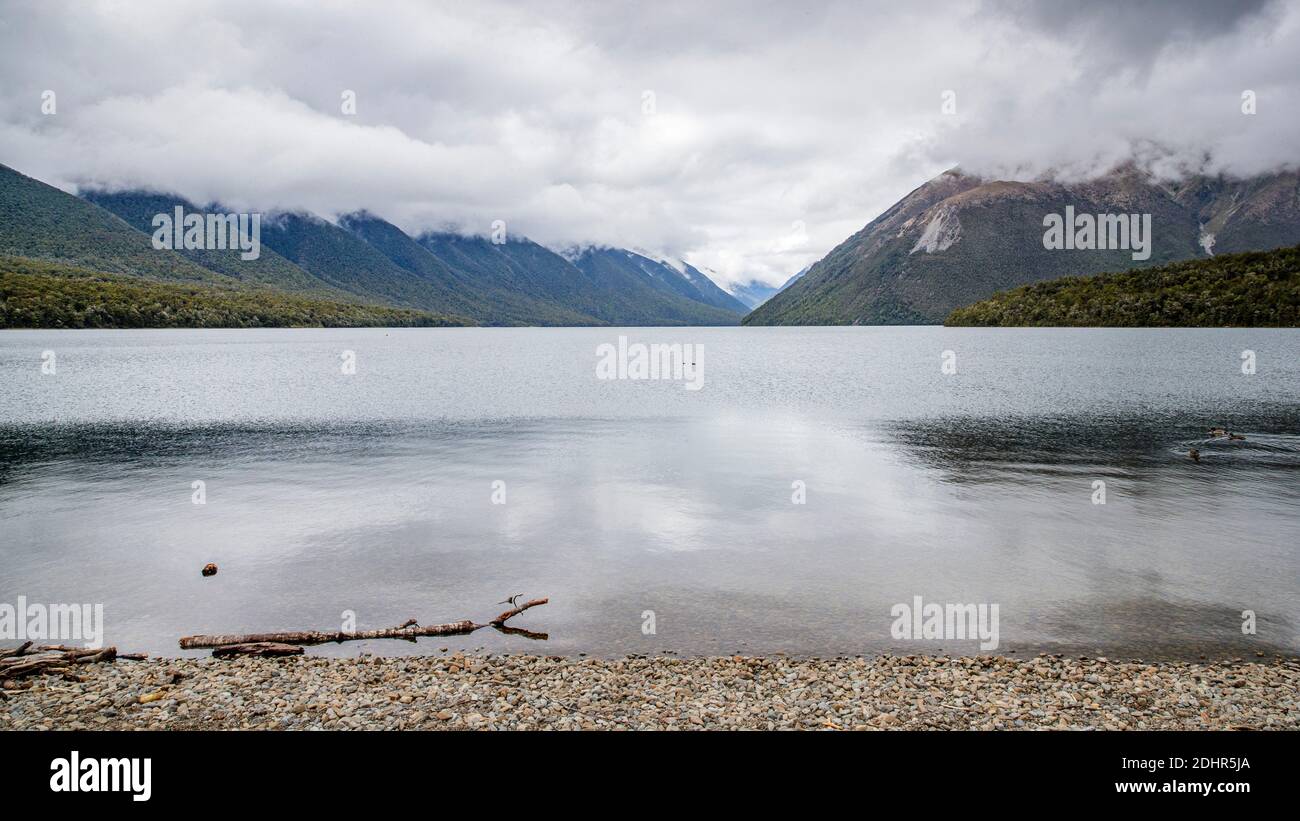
(372, 492)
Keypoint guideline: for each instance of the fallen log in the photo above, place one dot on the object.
(37, 666)
(409, 631)
(15, 651)
(63, 648)
(21, 662)
(258, 648)
(107, 654)
(51, 659)
(327, 636)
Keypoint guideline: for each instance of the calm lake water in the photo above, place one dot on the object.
(373, 492)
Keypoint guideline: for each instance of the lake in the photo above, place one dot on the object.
(818, 478)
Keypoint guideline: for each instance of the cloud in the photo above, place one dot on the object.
(698, 131)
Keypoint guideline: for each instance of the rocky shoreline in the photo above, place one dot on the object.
(459, 691)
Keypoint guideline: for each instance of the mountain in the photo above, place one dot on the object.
(363, 257)
(464, 292)
(67, 262)
(755, 293)
(39, 221)
(709, 291)
(1256, 289)
(586, 288)
(958, 239)
(519, 282)
(795, 278)
(347, 262)
(661, 269)
(528, 283)
(138, 209)
(363, 260)
(652, 288)
(1255, 214)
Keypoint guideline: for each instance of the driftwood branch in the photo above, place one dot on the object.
(409, 630)
(501, 619)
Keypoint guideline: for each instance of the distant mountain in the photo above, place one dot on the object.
(138, 209)
(958, 239)
(534, 285)
(702, 288)
(573, 291)
(1254, 290)
(755, 293)
(464, 292)
(347, 262)
(795, 278)
(39, 221)
(652, 288)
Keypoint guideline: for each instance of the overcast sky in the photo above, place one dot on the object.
(775, 130)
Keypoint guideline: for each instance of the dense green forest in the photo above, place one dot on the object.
(1257, 289)
(41, 294)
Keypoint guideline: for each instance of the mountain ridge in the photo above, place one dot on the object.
(958, 238)
(137, 208)
(39, 221)
(359, 258)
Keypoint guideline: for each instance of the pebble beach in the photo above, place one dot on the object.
(472, 692)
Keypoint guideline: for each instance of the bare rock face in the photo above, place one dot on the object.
(959, 239)
(941, 233)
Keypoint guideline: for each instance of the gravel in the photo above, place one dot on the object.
(458, 692)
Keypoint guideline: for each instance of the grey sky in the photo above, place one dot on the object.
(778, 129)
